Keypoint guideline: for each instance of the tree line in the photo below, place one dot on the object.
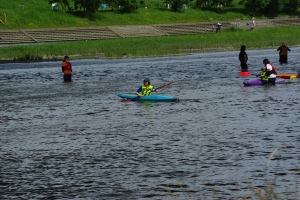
(253, 7)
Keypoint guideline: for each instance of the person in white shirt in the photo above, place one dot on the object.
(271, 71)
(219, 25)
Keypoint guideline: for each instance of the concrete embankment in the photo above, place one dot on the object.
(28, 36)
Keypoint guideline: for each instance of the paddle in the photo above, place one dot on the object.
(162, 86)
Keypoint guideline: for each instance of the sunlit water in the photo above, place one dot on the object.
(79, 140)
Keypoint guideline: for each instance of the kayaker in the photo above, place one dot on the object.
(146, 89)
(66, 67)
(270, 71)
(263, 75)
(243, 57)
(283, 53)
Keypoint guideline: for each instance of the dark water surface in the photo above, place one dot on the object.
(80, 141)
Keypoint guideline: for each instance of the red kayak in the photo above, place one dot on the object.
(287, 76)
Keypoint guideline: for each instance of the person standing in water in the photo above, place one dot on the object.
(283, 53)
(243, 57)
(270, 71)
(66, 68)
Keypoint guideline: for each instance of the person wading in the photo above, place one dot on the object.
(283, 53)
(270, 71)
(66, 67)
(243, 57)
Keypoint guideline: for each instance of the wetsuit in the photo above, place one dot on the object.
(283, 53)
(243, 57)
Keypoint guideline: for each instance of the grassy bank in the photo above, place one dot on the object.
(228, 39)
(39, 14)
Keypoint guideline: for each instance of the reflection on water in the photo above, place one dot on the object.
(79, 140)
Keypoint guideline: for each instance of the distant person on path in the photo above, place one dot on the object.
(283, 53)
(270, 71)
(219, 25)
(253, 22)
(66, 67)
(243, 57)
(146, 89)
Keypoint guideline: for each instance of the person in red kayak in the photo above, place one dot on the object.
(146, 89)
(263, 75)
(66, 68)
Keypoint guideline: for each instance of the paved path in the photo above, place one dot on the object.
(112, 32)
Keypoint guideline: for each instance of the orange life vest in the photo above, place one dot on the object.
(67, 67)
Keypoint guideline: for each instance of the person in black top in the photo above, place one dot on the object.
(283, 53)
(243, 57)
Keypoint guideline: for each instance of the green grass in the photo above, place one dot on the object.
(228, 39)
(38, 14)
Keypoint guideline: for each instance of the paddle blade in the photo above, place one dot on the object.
(164, 85)
(131, 99)
(126, 100)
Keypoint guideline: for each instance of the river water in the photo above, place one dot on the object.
(78, 140)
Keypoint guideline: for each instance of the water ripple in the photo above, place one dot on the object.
(78, 140)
